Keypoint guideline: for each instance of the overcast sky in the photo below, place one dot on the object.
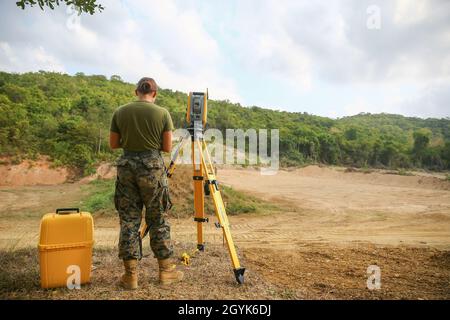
(330, 58)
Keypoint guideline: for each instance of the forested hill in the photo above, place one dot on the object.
(67, 118)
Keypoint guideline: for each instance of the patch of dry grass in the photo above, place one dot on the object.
(309, 272)
(209, 276)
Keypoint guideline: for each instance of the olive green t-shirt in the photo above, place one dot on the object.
(141, 125)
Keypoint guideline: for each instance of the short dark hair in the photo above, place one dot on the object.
(146, 85)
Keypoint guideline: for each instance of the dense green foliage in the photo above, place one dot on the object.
(68, 117)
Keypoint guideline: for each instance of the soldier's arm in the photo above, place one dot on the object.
(114, 140)
(114, 133)
(167, 133)
(167, 141)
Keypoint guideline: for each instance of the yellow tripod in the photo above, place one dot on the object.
(205, 182)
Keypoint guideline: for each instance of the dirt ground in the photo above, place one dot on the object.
(28, 172)
(347, 207)
(335, 226)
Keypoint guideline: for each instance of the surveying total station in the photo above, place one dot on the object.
(204, 178)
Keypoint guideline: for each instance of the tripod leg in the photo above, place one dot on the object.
(221, 214)
(176, 153)
(199, 195)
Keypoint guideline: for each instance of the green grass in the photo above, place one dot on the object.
(366, 170)
(101, 196)
(238, 202)
(403, 172)
(400, 172)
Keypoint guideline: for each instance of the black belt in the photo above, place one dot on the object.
(144, 153)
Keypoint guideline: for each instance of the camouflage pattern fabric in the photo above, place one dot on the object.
(142, 181)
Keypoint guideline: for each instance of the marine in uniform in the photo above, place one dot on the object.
(143, 130)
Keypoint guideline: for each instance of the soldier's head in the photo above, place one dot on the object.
(146, 89)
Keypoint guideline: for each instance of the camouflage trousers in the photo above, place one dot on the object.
(142, 181)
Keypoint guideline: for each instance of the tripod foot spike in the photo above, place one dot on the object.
(201, 247)
(239, 274)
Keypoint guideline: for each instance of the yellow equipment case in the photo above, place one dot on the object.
(65, 244)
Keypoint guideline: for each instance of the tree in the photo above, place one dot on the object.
(67, 117)
(446, 154)
(87, 6)
(116, 78)
(422, 138)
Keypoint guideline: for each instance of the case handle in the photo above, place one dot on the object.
(67, 210)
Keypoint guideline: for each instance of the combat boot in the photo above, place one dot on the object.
(168, 272)
(129, 280)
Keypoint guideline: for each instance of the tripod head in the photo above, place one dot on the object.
(197, 110)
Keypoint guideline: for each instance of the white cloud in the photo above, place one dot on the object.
(361, 104)
(410, 12)
(302, 46)
(263, 47)
(279, 55)
(30, 59)
(328, 42)
(432, 100)
(166, 43)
